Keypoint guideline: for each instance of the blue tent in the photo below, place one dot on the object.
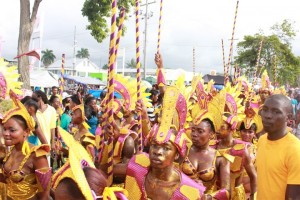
(97, 93)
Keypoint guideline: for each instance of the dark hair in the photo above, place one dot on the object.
(51, 100)
(26, 98)
(72, 189)
(252, 127)
(153, 93)
(208, 121)
(103, 94)
(54, 87)
(41, 94)
(89, 99)
(75, 99)
(32, 103)
(96, 179)
(21, 121)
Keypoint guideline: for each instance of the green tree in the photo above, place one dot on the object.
(48, 57)
(132, 64)
(97, 12)
(105, 66)
(287, 63)
(83, 53)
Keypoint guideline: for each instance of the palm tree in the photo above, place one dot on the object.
(132, 64)
(48, 57)
(83, 53)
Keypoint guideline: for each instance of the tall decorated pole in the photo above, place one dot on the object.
(224, 64)
(138, 72)
(120, 29)
(110, 93)
(159, 26)
(62, 81)
(257, 63)
(194, 62)
(275, 71)
(231, 43)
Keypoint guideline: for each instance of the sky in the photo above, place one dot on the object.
(186, 25)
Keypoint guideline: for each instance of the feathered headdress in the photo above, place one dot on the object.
(234, 111)
(81, 108)
(251, 115)
(173, 116)
(18, 109)
(208, 106)
(265, 82)
(9, 79)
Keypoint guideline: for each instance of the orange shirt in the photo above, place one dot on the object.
(278, 164)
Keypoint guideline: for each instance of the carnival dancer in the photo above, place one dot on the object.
(266, 88)
(154, 176)
(25, 169)
(79, 179)
(249, 127)
(81, 131)
(233, 114)
(203, 163)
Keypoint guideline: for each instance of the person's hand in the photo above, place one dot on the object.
(140, 107)
(158, 61)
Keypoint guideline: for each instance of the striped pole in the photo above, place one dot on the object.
(275, 71)
(257, 62)
(62, 82)
(194, 62)
(138, 73)
(235, 75)
(224, 64)
(120, 30)
(110, 93)
(159, 26)
(231, 43)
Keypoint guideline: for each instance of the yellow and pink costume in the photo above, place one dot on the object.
(174, 111)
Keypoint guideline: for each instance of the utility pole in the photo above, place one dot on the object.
(74, 52)
(145, 39)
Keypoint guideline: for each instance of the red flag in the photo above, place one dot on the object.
(33, 53)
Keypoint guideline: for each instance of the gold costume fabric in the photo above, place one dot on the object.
(20, 186)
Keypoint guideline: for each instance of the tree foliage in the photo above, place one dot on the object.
(83, 53)
(274, 46)
(48, 57)
(98, 13)
(132, 64)
(105, 66)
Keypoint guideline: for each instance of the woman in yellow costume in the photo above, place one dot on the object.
(79, 179)
(81, 132)
(25, 169)
(203, 163)
(233, 114)
(27, 175)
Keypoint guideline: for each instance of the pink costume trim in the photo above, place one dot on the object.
(121, 141)
(44, 178)
(2, 85)
(122, 90)
(161, 77)
(221, 195)
(140, 172)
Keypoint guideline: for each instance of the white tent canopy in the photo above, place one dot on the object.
(42, 79)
